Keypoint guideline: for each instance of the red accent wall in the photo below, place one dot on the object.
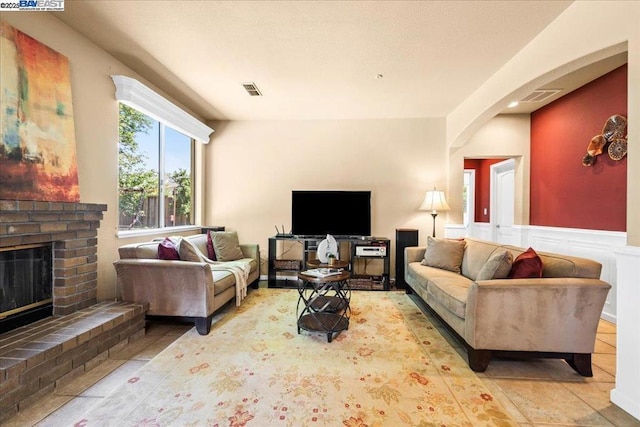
(564, 193)
(482, 186)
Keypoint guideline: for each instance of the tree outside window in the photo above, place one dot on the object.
(149, 150)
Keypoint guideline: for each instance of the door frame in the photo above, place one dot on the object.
(471, 197)
(498, 168)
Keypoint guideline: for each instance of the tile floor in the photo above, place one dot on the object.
(547, 392)
(540, 393)
(80, 394)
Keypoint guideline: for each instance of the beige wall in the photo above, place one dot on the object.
(503, 136)
(96, 123)
(252, 167)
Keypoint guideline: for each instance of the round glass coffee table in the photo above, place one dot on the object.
(323, 304)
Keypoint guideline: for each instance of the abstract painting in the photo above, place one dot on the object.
(38, 145)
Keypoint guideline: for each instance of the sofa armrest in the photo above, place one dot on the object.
(159, 281)
(547, 314)
(250, 251)
(413, 254)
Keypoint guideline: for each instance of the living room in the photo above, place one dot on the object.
(248, 170)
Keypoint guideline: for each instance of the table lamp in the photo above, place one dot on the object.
(434, 201)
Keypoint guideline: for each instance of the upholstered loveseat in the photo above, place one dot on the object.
(555, 315)
(189, 285)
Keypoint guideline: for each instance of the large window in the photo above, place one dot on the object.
(155, 173)
(156, 158)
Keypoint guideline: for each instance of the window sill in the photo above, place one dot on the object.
(167, 231)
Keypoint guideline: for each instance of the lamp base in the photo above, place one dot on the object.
(434, 215)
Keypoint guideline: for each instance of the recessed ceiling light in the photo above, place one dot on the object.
(513, 104)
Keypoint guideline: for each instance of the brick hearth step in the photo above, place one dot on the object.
(40, 357)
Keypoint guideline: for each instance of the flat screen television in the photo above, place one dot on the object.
(340, 213)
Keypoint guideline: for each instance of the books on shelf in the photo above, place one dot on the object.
(322, 272)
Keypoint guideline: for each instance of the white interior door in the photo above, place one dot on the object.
(502, 200)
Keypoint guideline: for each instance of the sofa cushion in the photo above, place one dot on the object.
(445, 286)
(444, 253)
(450, 290)
(526, 265)
(200, 242)
(211, 252)
(498, 266)
(222, 280)
(418, 276)
(167, 250)
(189, 252)
(476, 255)
(226, 245)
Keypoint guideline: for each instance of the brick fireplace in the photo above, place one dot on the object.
(45, 355)
(72, 230)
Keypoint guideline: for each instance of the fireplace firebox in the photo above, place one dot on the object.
(26, 278)
(63, 236)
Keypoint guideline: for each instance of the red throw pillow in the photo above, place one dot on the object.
(167, 250)
(527, 265)
(211, 252)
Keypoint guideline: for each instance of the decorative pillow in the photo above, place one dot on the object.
(498, 266)
(189, 252)
(211, 252)
(526, 265)
(226, 245)
(444, 253)
(167, 250)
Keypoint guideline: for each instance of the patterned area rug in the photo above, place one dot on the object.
(390, 368)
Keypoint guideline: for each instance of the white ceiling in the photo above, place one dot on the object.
(315, 59)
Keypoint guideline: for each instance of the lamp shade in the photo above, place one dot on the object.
(434, 201)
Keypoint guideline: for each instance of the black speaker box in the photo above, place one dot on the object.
(404, 237)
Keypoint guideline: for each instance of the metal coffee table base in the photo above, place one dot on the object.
(323, 305)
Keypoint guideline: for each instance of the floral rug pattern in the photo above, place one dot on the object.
(390, 368)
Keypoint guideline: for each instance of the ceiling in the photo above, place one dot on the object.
(317, 59)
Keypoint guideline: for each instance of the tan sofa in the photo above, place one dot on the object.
(553, 316)
(185, 289)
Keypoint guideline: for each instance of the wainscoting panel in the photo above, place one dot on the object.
(627, 393)
(479, 230)
(597, 245)
(593, 244)
(543, 243)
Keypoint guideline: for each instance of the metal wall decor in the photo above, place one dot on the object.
(614, 133)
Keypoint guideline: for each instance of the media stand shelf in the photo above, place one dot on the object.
(355, 250)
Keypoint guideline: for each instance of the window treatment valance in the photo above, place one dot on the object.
(135, 94)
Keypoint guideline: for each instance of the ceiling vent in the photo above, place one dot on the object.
(251, 89)
(540, 95)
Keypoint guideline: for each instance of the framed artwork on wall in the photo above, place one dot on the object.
(37, 145)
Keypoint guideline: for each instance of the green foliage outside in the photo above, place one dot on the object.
(136, 181)
(181, 181)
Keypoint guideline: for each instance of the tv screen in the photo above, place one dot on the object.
(341, 213)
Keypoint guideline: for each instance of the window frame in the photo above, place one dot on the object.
(136, 95)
